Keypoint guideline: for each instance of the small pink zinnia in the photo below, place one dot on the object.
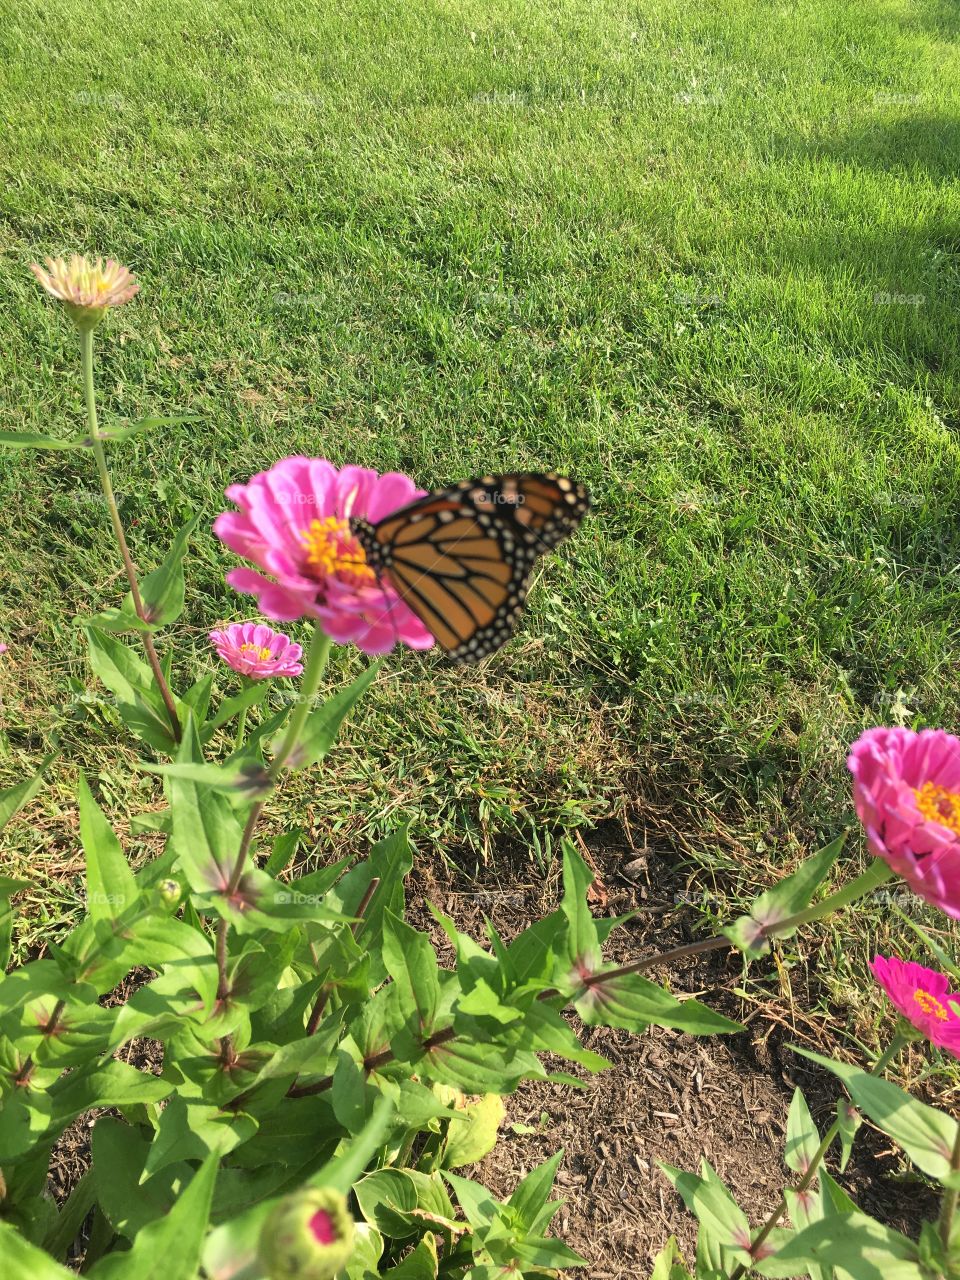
(923, 996)
(3, 648)
(906, 789)
(86, 288)
(257, 651)
(293, 524)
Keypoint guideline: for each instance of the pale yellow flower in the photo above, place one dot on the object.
(87, 289)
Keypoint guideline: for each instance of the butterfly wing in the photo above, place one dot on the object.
(461, 558)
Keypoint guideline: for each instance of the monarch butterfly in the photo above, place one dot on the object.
(461, 557)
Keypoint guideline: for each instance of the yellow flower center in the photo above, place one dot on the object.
(333, 550)
(931, 1005)
(937, 804)
(259, 650)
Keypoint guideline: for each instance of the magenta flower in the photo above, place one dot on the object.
(293, 524)
(923, 996)
(906, 789)
(257, 651)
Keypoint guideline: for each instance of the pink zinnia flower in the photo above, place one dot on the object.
(86, 288)
(3, 648)
(257, 651)
(293, 523)
(906, 788)
(923, 996)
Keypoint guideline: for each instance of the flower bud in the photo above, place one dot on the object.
(307, 1236)
(169, 891)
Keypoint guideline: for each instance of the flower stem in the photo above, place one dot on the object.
(96, 444)
(316, 663)
(320, 647)
(891, 1051)
(948, 1206)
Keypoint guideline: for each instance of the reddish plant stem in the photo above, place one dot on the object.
(324, 994)
(380, 1059)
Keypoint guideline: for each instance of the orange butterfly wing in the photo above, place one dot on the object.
(461, 558)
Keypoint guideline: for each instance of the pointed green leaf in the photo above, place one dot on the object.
(925, 1134)
(252, 696)
(322, 726)
(168, 1249)
(751, 934)
(856, 1244)
(533, 1192)
(111, 886)
(802, 1136)
(163, 590)
(634, 1002)
(25, 1261)
(583, 946)
(716, 1209)
(30, 440)
(13, 799)
(412, 963)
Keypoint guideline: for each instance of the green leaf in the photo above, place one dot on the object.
(206, 833)
(849, 1120)
(197, 697)
(168, 1249)
(475, 1200)
(854, 1243)
(389, 862)
(131, 681)
(322, 726)
(30, 440)
(113, 434)
(13, 799)
(802, 1136)
(386, 1199)
(421, 1264)
(532, 1193)
(583, 947)
(669, 1263)
(252, 696)
(241, 778)
(189, 1129)
(282, 851)
(111, 886)
(23, 1260)
(163, 590)
(925, 1134)
(347, 1168)
(751, 934)
(715, 1208)
(475, 1136)
(634, 1002)
(412, 963)
(119, 1154)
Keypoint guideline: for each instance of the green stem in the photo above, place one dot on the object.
(948, 1206)
(316, 663)
(96, 444)
(891, 1051)
(320, 647)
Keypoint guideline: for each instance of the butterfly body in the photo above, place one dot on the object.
(461, 557)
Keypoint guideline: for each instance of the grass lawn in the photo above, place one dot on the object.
(704, 257)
